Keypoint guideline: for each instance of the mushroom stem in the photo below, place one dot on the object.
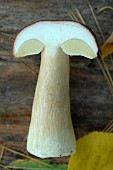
(51, 133)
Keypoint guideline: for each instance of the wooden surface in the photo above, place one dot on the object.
(91, 101)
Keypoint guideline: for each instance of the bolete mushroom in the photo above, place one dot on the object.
(51, 132)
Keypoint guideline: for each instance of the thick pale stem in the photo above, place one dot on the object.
(51, 133)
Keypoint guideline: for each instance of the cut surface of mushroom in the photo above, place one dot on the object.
(51, 132)
(30, 47)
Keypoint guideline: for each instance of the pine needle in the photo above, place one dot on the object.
(26, 168)
(74, 16)
(104, 8)
(108, 73)
(7, 35)
(26, 156)
(109, 127)
(98, 61)
(96, 21)
(111, 59)
(79, 14)
(27, 66)
(105, 75)
(2, 152)
(4, 167)
(70, 15)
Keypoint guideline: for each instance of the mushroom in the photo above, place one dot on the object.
(51, 132)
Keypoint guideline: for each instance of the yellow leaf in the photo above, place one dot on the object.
(94, 151)
(107, 47)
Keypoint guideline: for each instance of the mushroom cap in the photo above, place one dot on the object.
(74, 39)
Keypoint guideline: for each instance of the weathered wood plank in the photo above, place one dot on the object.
(11, 133)
(90, 97)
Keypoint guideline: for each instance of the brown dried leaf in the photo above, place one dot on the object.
(107, 47)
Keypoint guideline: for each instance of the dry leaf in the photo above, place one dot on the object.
(107, 47)
(94, 151)
(110, 39)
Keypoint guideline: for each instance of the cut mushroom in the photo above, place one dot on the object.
(51, 132)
